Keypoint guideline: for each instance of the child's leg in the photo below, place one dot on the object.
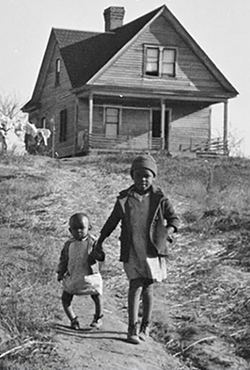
(97, 320)
(147, 299)
(134, 293)
(66, 302)
(97, 298)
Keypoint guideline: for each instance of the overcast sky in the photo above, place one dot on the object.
(221, 28)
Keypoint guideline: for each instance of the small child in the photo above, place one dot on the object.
(147, 222)
(79, 270)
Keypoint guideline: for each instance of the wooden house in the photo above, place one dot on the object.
(145, 85)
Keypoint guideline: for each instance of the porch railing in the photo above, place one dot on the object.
(212, 147)
(122, 142)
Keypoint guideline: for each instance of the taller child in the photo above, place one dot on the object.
(147, 222)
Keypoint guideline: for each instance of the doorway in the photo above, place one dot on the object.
(156, 126)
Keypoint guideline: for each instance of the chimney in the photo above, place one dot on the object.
(113, 17)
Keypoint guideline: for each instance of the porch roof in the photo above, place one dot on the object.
(149, 94)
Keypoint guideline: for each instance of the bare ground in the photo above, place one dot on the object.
(107, 348)
(196, 323)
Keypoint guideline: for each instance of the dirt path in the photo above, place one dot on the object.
(183, 314)
(107, 348)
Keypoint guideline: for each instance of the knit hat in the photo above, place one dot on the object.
(144, 161)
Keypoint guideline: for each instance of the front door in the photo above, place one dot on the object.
(156, 126)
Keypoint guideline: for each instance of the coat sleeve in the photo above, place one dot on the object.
(170, 215)
(63, 261)
(111, 223)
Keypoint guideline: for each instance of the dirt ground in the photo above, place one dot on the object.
(107, 347)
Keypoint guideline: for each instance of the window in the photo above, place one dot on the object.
(112, 122)
(160, 61)
(58, 70)
(168, 62)
(63, 125)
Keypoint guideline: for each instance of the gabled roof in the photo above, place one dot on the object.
(69, 37)
(86, 53)
(85, 58)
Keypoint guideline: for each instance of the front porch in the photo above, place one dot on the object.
(123, 143)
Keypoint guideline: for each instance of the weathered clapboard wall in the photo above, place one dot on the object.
(54, 98)
(191, 74)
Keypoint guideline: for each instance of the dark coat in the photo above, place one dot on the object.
(161, 216)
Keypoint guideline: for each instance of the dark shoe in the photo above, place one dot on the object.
(133, 334)
(144, 332)
(75, 324)
(97, 322)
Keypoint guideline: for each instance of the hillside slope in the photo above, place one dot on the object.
(201, 312)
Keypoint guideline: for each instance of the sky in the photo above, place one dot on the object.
(220, 27)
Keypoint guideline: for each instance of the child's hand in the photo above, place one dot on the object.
(59, 277)
(97, 252)
(170, 231)
(91, 259)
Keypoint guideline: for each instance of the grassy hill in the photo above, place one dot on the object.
(201, 312)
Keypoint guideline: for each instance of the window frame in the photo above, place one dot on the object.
(160, 61)
(57, 71)
(112, 123)
(43, 122)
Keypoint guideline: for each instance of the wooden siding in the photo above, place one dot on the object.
(53, 99)
(135, 122)
(191, 74)
(189, 126)
(83, 115)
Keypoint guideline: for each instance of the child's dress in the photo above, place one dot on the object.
(80, 278)
(140, 265)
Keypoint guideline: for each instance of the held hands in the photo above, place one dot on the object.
(97, 252)
(59, 277)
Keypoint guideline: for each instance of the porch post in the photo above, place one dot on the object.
(163, 123)
(90, 113)
(75, 125)
(150, 128)
(225, 128)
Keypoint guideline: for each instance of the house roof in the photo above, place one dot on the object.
(86, 53)
(68, 37)
(85, 58)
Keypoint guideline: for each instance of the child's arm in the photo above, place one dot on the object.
(109, 225)
(171, 218)
(63, 262)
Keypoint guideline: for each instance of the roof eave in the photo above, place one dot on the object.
(199, 52)
(121, 91)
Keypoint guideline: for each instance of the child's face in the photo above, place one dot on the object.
(80, 228)
(143, 179)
